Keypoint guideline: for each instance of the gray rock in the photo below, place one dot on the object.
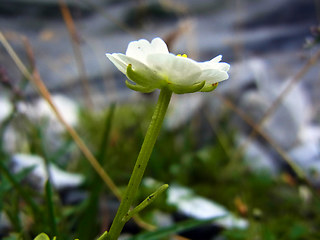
(307, 152)
(191, 205)
(258, 158)
(293, 112)
(253, 88)
(254, 95)
(307, 157)
(280, 126)
(12, 140)
(182, 109)
(5, 108)
(60, 179)
(309, 133)
(40, 111)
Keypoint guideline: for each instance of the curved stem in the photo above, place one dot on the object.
(140, 166)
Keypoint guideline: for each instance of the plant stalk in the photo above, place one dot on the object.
(140, 166)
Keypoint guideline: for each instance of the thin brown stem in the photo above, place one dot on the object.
(75, 40)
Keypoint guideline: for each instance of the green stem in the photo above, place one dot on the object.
(140, 166)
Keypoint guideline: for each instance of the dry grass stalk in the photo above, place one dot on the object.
(75, 40)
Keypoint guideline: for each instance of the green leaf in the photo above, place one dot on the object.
(50, 208)
(174, 229)
(146, 202)
(5, 171)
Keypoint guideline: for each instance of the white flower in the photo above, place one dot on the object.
(150, 66)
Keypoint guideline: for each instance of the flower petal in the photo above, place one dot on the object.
(215, 64)
(141, 49)
(223, 66)
(138, 50)
(212, 76)
(177, 70)
(159, 46)
(216, 59)
(114, 58)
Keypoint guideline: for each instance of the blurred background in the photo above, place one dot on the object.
(247, 153)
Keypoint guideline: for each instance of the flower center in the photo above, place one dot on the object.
(183, 55)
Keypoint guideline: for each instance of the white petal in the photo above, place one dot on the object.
(210, 64)
(216, 59)
(153, 77)
(136, 64)
(212, 76)
(142, 48)
(139, 50)
(159, 46)
(214, 64)
(178, 70)
(223, 66)
(219, 66)
(115, 59)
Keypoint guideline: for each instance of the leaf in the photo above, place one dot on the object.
(146, 202)
(50, 208)
(176, 228)
(5, 171)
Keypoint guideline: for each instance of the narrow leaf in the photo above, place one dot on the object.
(174, 229)
(50, 205)
(146, 202)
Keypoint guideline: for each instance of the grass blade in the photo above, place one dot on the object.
(174, 229)
(19, 189)
(50, 206)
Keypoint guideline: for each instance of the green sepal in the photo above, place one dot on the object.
(210, 87)
(181, 89)
(145, 80)
(138, 88)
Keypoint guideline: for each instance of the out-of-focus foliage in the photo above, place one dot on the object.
(274, 206)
